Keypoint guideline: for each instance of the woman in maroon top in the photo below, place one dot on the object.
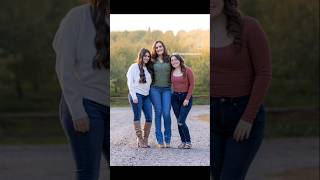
(181, 100)
(240, 76)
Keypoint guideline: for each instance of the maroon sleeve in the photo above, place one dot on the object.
(261, 61)
(191, 82)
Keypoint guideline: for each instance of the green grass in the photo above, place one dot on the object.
(49, 130)
(30, 103)
(293, 124)
(31, 131)
(124, 102)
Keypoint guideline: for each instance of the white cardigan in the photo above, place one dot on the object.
(133, 77)
(74, 47)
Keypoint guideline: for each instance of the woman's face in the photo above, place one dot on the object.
(175, 62)
(159, 49)
(216, 8)
(146, 58)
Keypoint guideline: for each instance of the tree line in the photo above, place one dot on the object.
(194, 46)
(28, 81)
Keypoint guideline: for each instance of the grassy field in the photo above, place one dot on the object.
(293, 124)
(49, 130)
(123, 101)
(31, 131)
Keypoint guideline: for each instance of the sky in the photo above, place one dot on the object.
(163, 22)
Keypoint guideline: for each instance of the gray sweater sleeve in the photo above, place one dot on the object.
(65, 47)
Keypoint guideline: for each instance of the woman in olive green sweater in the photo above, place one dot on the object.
(160, 92)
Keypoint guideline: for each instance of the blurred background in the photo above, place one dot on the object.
(29, 90)
(291, 149)
(292, 27)
(32, 142)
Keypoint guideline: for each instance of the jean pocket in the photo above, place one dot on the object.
(230, 116)
(239, 107)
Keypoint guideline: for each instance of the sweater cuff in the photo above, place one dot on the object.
(77, 110)
(188, 97)
(248, 118)
(133, 95)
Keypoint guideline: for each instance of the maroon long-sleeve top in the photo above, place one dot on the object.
(184, 84)
(247, 72)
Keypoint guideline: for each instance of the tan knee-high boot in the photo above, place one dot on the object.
(146, 132)
(137, 128)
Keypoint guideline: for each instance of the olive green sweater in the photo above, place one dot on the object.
(161, 74)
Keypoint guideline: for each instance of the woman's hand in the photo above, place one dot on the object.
(82, 125)
(242, 131)
(185, 102)
(135, 100)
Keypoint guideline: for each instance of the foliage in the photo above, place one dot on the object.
(193, 45)
(292, 27)
(28, 81)
(27, 76)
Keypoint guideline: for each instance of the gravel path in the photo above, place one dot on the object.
(123, 150)
(278, 159)
(286, 159)
(39, 162)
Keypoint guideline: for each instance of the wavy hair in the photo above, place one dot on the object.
(139, 61)
(99, 13)
(234, 21)
(154, 54)
(182, 65)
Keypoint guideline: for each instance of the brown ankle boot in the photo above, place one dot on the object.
(137, 128)
(146, 132)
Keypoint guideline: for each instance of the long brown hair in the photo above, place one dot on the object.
(234, 21)
(154, 54)
(182, 65)
(139, 61)
(99, 13)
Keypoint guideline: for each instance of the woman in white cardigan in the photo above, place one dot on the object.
(81, 45)
(139, 80)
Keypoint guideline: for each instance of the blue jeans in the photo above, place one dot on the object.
(231, 159)
(181, 113)
(88, 147)
(161, 100)
(143, 104)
